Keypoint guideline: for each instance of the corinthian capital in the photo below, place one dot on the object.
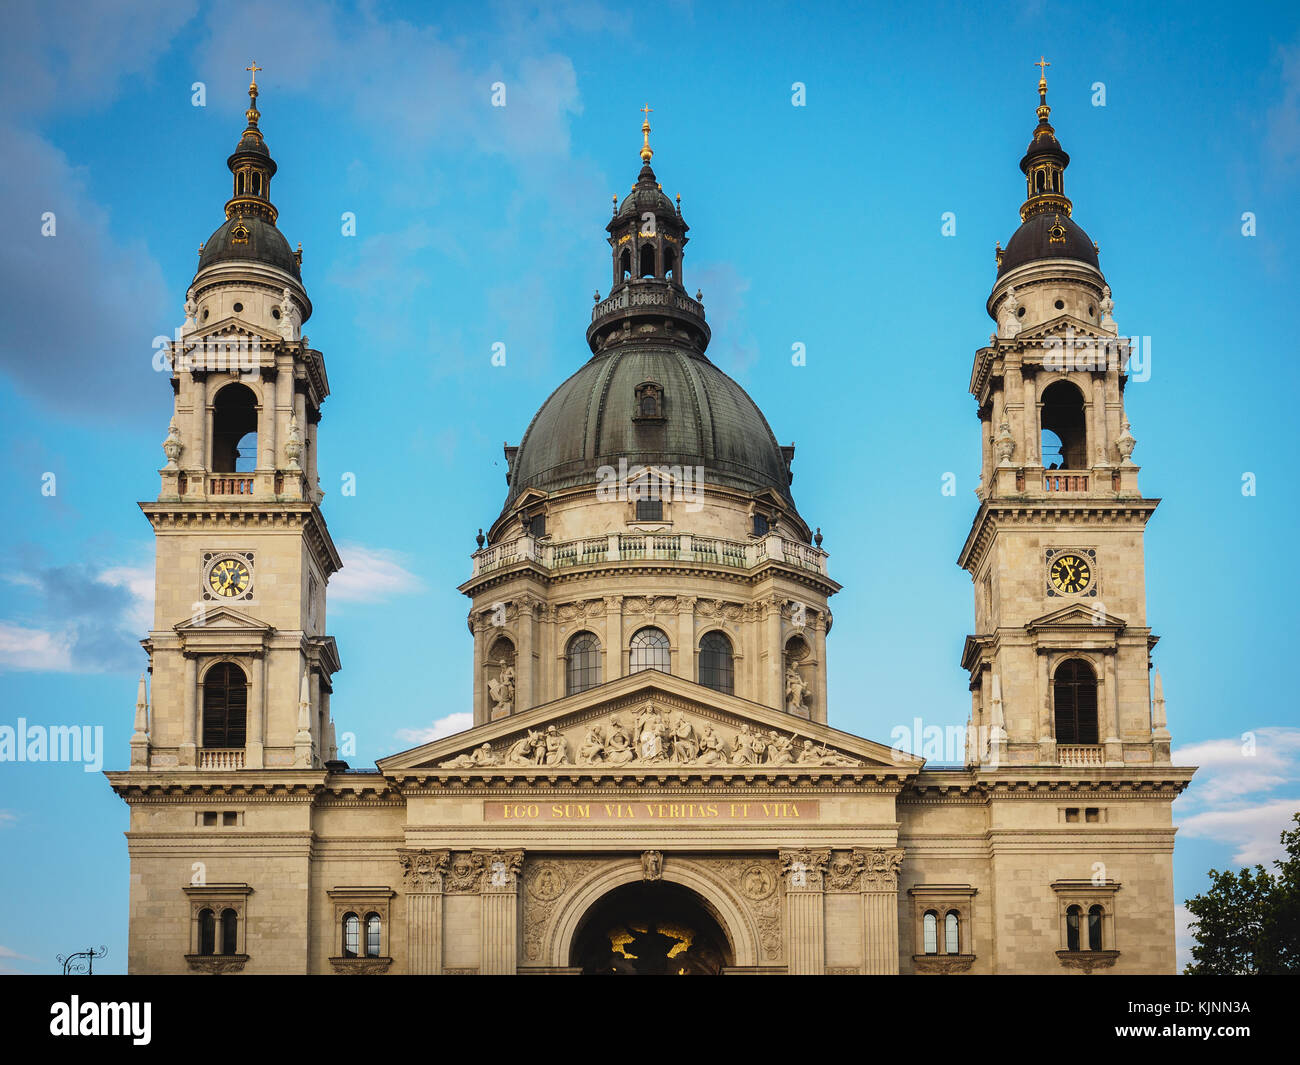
(881, 872)
(804, 869)
(422, 869)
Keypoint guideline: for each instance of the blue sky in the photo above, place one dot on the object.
(476, 225)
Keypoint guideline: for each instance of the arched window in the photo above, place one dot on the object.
(582, 669)
(951, 933)
(1064, 437)
(225, 706)
(1094, 927)
(650, 651)
(930, 932)
(647, 260)
(717, 670)
(229, 931)
(670, 264)
(625, 264)
(1074, 693)
(234, 430)
(207, 932)
(373, 928)
(351, 935)
(1072, 916)
(239, 183)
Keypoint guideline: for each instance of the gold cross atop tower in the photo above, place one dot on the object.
(646, 151)
(254, 68)
(1042, 66)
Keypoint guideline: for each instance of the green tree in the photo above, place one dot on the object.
(1249, 923)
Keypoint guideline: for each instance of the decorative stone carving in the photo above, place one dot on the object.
(845, 869)
(360, 966)
(481, 757)
(216, 964)
(652, 865)
(592, 749)
(804, 869)
(545, 884)
(286, 316)
(942, 964)
(422, 870)
(756, 882)
(191, 312)
(1087, 960)
(464, 873)
(557, 747)
(502, 691)
(502, 868)
(172, 446)
(880, 872)
(529, 749)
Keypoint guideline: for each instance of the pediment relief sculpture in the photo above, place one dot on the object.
(652, 735)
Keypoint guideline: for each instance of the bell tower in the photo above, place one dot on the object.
(1059, 661)
(240, 662)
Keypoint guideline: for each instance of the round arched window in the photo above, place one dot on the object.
(650, 651)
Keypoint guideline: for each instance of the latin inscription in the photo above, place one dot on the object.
(688, 812)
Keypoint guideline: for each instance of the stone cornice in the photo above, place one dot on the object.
(263, 515)
(1096, 511)
(1037, 782)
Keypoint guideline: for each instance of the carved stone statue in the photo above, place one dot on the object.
(557, 747)
(286, 316)
(172, 445)
(1107, 309)
(592, 749)
(1008, 316)
(1125, 443)
(191, 312)
(779, 749)
(502, 691)
(618, 746)
(686, 747)
(480, 757)
(293, 445)
(712, 750)
(742, 748)
(652, 866)
(652, 735)
(796, 691)
(528, 750)
(1004, 443)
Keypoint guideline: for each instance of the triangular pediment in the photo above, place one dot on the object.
(224, 618)
(232, 329)
(650, 722)
(1063, 325)
(1077, 616)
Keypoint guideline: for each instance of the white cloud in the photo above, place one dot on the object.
(371, 575)
(7, 818)
(1253, 831)
(5, 952)
(35, 649)
(1234, 796)
(444, 726)
(138, 581)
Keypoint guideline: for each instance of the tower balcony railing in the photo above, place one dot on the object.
(1065, 481)
(1082, 754)
(221, 758)
(655, 547)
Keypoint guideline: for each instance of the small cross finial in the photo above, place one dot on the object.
(646, 151)
(647, 111)
(254, 68)
(1042, 66)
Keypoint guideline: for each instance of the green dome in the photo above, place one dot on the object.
(706, 419)
(264, 244)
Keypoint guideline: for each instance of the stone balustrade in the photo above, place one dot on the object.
(214, 758)
(1091, 754)
(659, 547)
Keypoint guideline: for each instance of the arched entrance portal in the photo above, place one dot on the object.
(651, 928)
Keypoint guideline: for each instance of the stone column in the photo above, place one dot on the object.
(1100, 440)
(805, 910)
(256, 713)
(773, 680)
(478, 626)
(318, 721)
(880, 909)
(1032, 457)
(1108, 712)
(525, 619)
(1046, 726)
(190, 712)
(819, 710)
(499, 908)
(283, 403)
(686, 666)
(613, 638)
(196, 447)
(266, 433)
(422, 872)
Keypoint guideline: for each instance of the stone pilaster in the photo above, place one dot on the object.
(499, 934)
(805, 910)
(526, 695)
(880, 909)
(422, 873)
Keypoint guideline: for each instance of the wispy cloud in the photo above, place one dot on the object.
(444, 726)
(7, 818)
(78, 619)
(371, 575)
(1245, 793)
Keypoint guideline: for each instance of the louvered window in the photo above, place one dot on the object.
(225, 706)
(1075, 700)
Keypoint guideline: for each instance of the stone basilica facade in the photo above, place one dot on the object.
(652, 783)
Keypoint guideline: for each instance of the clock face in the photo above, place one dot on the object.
(229, 577)
(1070, 574)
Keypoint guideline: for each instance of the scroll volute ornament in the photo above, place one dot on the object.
(502, 868)
(804, 869)
(882, 865)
